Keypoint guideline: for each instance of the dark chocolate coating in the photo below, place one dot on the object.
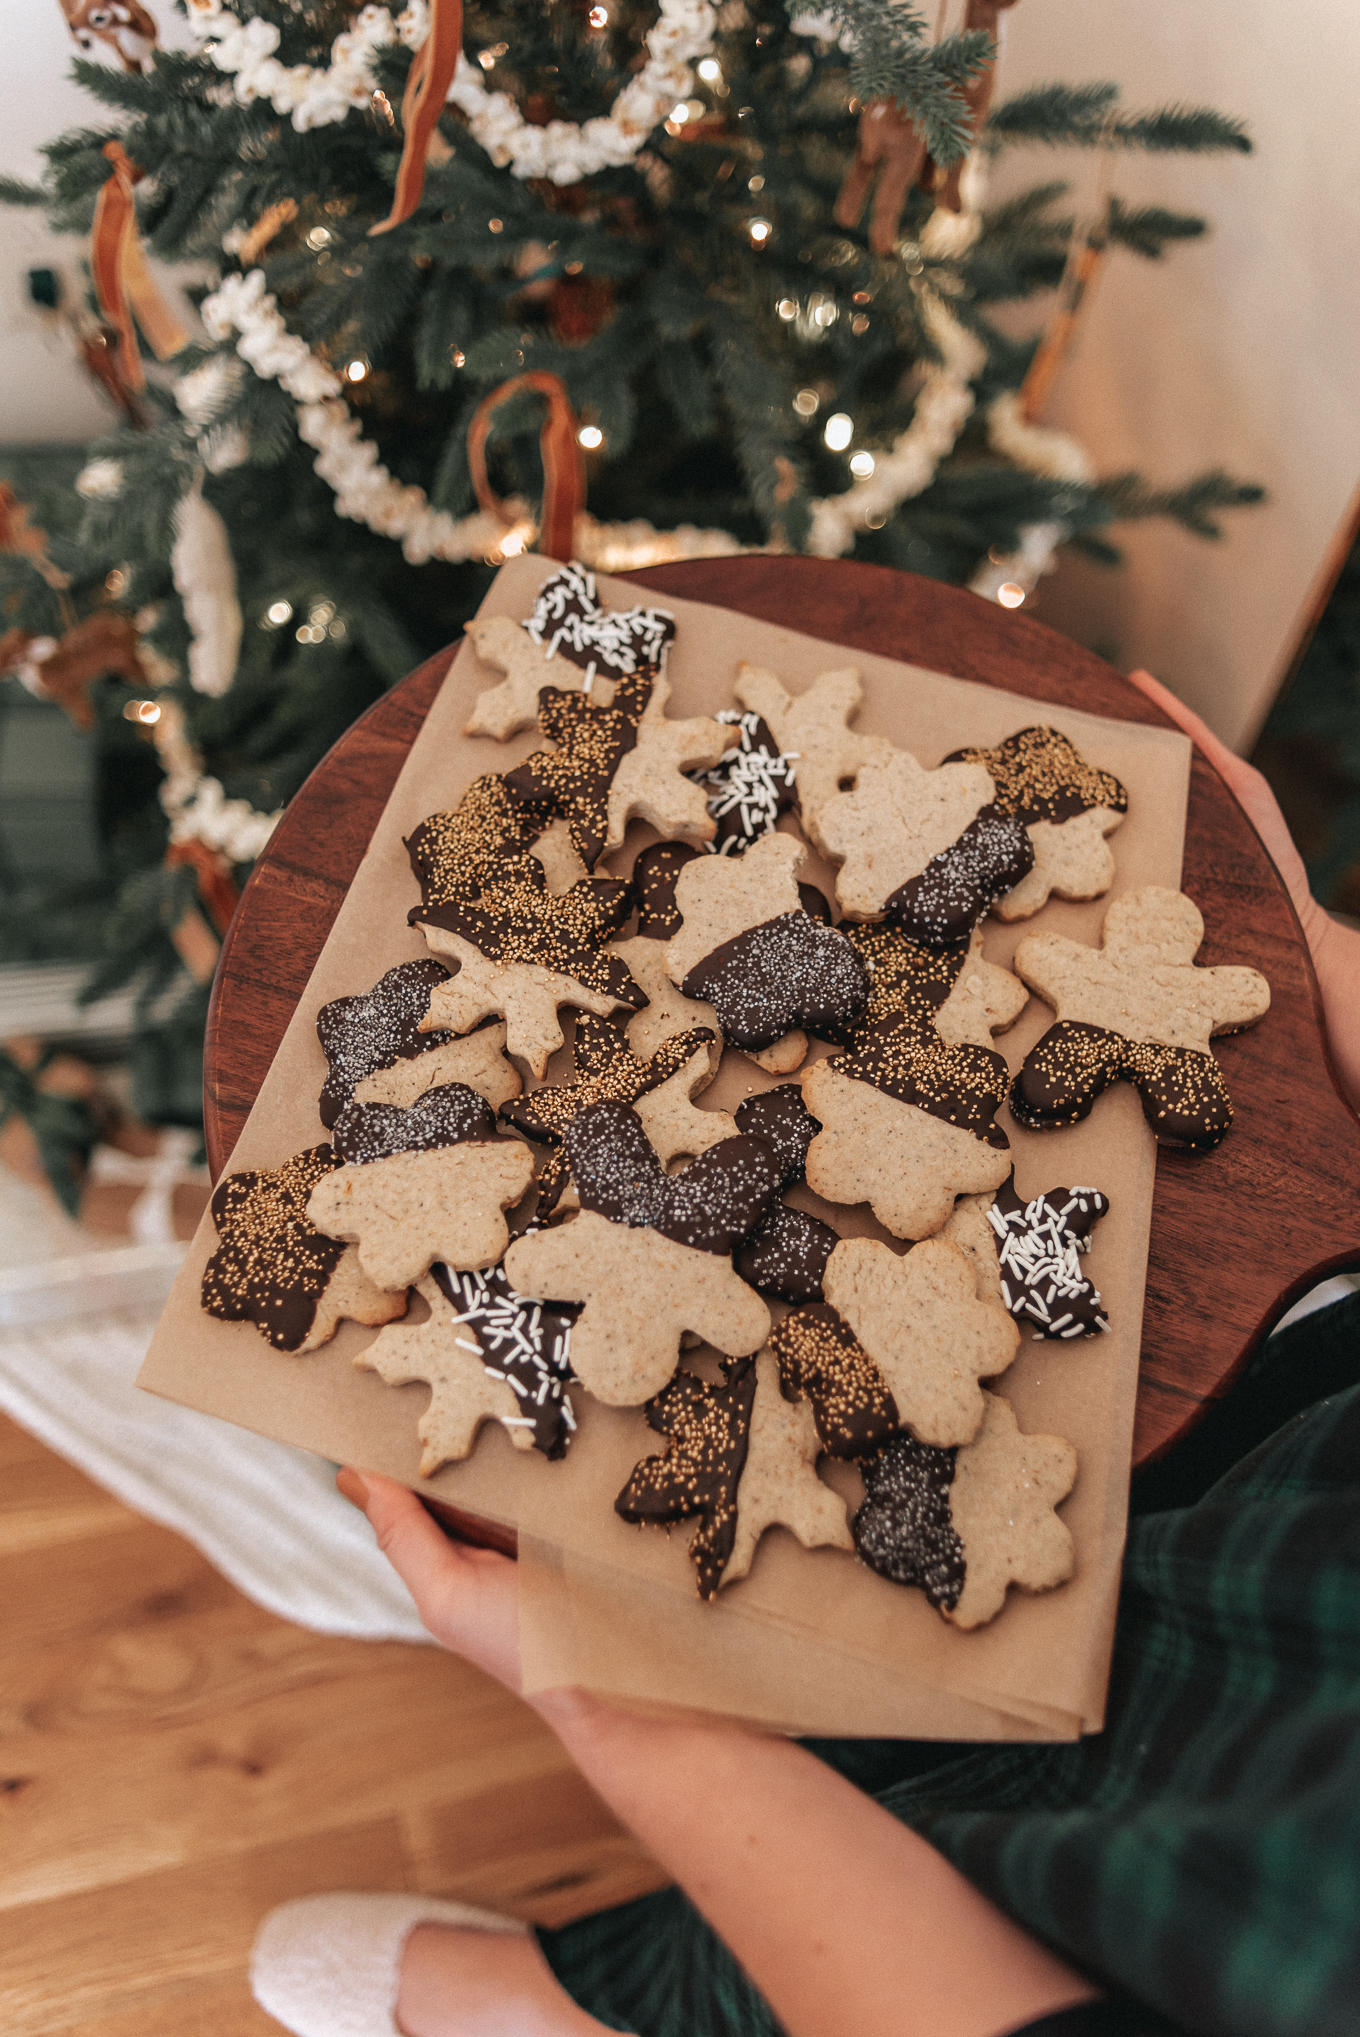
(592, 741)
(710, 1206)
(904, 1530)
(709, 1428)
(273, 1265)
(965, 1086)
(653, 888)
(359, 1035)
(783, 1120)
(606, 1068)
(1184, 1097)
(1039, 774)
(569, 622)
(526, 1343)
(815, 904)
(942, 904)
(446, 1116)
(749, 787)
(1036, 1243)
(785, 973)
(822, 1360)
(785, 1256)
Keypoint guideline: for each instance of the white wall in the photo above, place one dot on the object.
(1239, 350)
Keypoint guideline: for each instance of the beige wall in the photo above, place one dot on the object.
(1241, 350)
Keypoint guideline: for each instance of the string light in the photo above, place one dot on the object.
(759, 231)
(787, 308)
(495, 225)
(806, 402)
(679, 113)
(318, 238)
(115, 581)
(277, 614)
(590, 436)
(862, 466)
(838, 431)
(356, 371)
(710, 70)
(143, 711)
(487, 57)
(599, 17)
(1010, 594)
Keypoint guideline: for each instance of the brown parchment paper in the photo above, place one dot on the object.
(812, 1640)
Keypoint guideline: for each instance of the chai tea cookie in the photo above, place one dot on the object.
(275, 1269)
(428, 1183)
(747, 947)
(821, 1361)
(965, 1524)
(464, 1392)
(1066, 805)
(569, 641)
(741, 1458)
(930, 849)
(749, 787)
(649, 1254)
(1027, 1255)
(812, 728)
(786, 1254)
(375, 1052)
(523, 1342)
(1137, 1010)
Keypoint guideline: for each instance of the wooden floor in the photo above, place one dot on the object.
(174, 1761)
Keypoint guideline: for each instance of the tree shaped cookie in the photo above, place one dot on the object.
(965, 1524)
(742, 1459)
(464, 1393)
(1066, 806)
(427, 1183)
(748, 947)
(750, 787)
(275, 1269)
(1137, 1010)
(376, 1053)
(1027, 1255)
(813, 728)
(785, 1255)
(907, 1113)
(569, 641)
(618, 763)
(649, 1254)
(930, 849)
(520, 950)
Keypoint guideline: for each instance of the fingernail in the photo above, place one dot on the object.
(351, 1487)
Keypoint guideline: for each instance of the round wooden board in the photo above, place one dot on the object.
(1237, 1234)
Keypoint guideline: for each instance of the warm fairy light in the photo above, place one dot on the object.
(590, 436)
(838, 431)
(875, 520)
(825, 312)
(458, 357)
(680, 112)
(862, 465)
(487, 57)
(807, 400)
(496, 225)
(859, 324)
(755, 183)
(516, 540)
(144, 711)
(787, 308)
(760, 230)
(382, 106)
(1010, 594)
(278, 613)
(318, 238)
(356, 371)
(599, 17)
(710, 70)
(115, 581)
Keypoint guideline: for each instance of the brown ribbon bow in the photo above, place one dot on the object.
(122, 281)
(427, 88)
(564, 474)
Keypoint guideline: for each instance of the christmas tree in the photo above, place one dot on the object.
(735, 264)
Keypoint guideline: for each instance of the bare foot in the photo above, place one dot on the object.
(483, 1984)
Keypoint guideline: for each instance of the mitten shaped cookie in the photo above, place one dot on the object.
(521, 951)
(812, 728)
(569, 641)
(930, 849)
(899, 1343)
(275, 1269)
(614, 764)
(464, 1392)
(743, 1459)
(1066, 806)
(432, 1182)
(748, 947)
(1135, 1010)
(1027, 1255)
(376, 1053)
(965, 1524)
(785, 1255)
(750, 786)
(907, 1113)
(649, 1254)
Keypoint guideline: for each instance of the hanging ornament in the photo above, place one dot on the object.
(980, 16)
(577, 308)
(205, 580)
(564, 474)
(122, 281)
(24, 539)
(427, 88)
(123, 25)
(63, 669)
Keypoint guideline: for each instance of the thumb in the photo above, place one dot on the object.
(418, 1550)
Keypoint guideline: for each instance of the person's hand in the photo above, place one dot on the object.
(468, 1598)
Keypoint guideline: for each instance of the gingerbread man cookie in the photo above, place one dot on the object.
(649, 1254)
(275, 1269)
(965, 1524)
(569, 641)
(813, 729)
(930, 849)
(1138, 1010)
(1066, 805)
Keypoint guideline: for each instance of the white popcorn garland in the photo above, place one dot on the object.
(197, 806)
(564, 151)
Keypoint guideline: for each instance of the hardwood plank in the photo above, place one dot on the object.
(210, 2009)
